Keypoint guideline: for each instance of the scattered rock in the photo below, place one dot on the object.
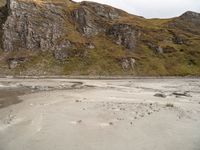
(160, 95)
(90, 45)
(78, 101)
(169, 105)
(122, 109)
(79, 121)
(178, 94)
(111, 123)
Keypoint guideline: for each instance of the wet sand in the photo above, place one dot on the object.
(81, 114)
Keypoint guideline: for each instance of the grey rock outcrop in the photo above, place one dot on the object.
(104, 11)
(191, 16)
(124, 34)
(156, 48)
(34, 26)
(128, 63)
(86, 24)
(61, 52)
(92, 18)
(189, 22)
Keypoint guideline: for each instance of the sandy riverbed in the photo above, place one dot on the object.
(80, 114)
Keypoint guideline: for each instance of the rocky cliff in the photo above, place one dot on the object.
(64, 37)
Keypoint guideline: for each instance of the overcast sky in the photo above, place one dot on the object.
(154, 8)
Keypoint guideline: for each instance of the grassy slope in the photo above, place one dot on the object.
(103, 60)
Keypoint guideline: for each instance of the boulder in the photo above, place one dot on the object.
(90, 45)
(160, 95)
(128, 63)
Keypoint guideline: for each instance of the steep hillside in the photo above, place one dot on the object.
(61, 37)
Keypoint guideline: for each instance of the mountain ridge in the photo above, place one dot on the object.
(63, 37)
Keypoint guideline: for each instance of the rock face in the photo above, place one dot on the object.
(189, 22)
(35, 26)
(86, 24)
(191, 16)
(103, 11)
(93, 18)
(124, 34)
(3, 17)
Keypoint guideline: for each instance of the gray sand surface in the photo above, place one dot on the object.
(81, 114)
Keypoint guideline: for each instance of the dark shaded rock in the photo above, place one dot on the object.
(3, 17)
(169, 49)
(160, 95)
(186, 94)
(161, 50)
(169, 105)
(192, 62)
(124, 34)
(155, 48)
(15, 62)
(178, 40)
(90, 45)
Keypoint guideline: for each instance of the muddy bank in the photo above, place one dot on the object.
(10, 96)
